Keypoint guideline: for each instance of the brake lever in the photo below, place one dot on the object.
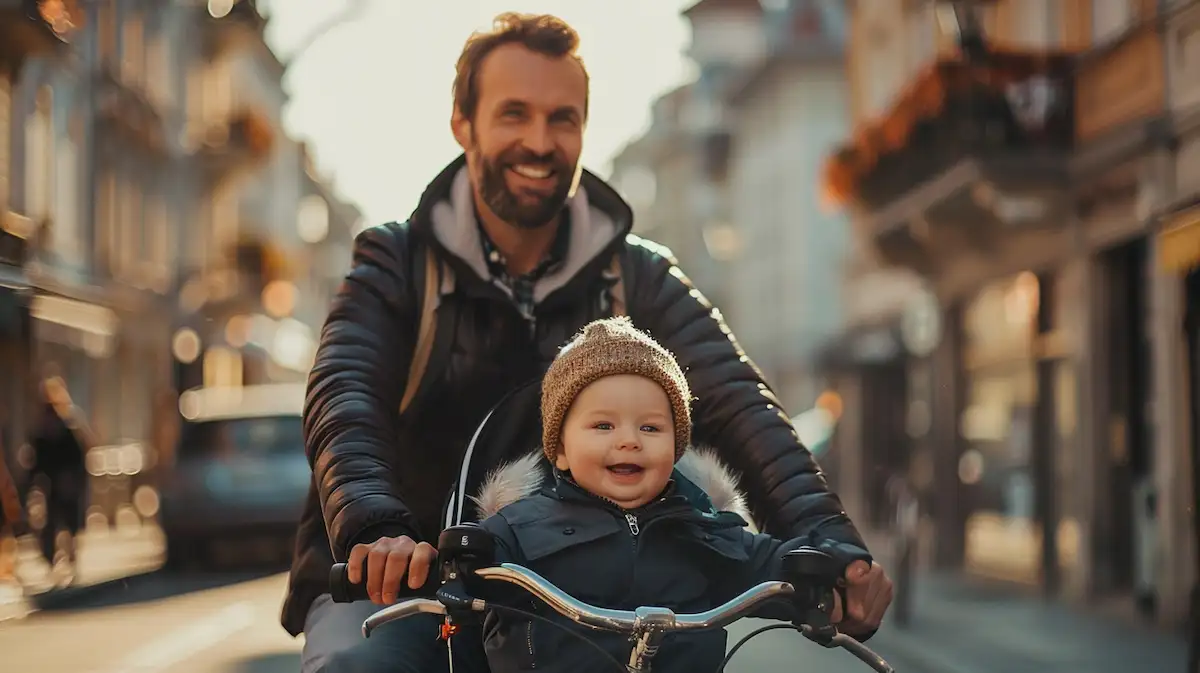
(461, 550)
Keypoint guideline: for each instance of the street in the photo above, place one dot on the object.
(160, 622)
(229, 624)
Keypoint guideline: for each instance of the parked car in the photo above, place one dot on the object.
(239, 479)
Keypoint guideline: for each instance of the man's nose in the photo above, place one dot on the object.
(538, 140)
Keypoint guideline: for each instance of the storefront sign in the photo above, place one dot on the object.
(1179, 242)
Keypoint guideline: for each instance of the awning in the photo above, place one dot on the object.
(1179, 241)
(75, 324)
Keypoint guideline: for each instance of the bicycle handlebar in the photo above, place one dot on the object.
(465, 558)
(659, 619)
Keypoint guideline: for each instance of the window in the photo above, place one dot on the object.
(106, 32)
(129, 227)
(222, 367)
(39, 148)
(133, 48)
(158, 239)
(1109, 18)
(106, 209)
(66, 198)
(217, 96)
(5, 132)
(158, 83)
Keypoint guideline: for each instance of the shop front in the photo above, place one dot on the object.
(865, 368)
(1018, 429)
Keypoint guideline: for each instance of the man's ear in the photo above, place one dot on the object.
(460, 126)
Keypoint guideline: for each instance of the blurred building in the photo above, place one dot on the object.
(25, 35)
(1048, 402)
(676, 174)
(719, 178)
(153, 209)
(788, 111)
(252, 298)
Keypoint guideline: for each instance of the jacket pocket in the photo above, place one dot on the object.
(512, 645)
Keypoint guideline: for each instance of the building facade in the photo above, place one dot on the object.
(1026, 184)
(676, 175)
(152, 215)
(726, 177)
(25, 35)
(788, 111)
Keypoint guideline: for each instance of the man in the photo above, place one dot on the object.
(530, 238)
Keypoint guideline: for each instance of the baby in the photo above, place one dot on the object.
(616, 522)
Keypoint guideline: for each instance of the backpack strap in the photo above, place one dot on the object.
(425, 332)
(617, 293)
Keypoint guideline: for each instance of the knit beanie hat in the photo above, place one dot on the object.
(611, 347)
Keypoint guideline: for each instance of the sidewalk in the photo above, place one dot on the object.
(960, 625)
(105, 556)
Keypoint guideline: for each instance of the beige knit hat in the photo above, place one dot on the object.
(610, 347)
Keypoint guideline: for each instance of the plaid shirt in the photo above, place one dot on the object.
(522, 286)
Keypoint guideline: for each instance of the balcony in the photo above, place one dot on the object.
(1121, 95)
(968, 150)
(35, 27)
(127, 112)
(230, 24)
(239, 143)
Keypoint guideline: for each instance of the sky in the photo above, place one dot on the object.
(372, 95)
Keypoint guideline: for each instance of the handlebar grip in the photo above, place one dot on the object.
(341, 590)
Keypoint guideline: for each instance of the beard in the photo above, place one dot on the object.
(524, 208)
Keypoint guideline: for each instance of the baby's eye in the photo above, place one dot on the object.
(603, 425)
(651, 428)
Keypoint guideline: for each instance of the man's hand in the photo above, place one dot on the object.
(868, 595)
(389, 559)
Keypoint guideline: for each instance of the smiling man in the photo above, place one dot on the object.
(534, 244)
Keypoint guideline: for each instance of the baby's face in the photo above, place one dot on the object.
(619, 440)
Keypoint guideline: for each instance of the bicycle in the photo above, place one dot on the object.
(465, 560)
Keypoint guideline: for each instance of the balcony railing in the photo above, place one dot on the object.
(128, 111)
(1012, 102)
(35, 27)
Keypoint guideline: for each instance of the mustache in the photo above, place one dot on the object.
(523, 155)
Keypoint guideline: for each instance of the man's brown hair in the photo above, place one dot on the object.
(542, 33)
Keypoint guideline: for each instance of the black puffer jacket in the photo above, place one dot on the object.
(376, 475)
(686, 551)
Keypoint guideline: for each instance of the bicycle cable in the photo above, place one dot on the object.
(561, 627)
(748, 636)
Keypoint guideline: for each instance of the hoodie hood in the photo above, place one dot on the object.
(600, 220)
(699, 476)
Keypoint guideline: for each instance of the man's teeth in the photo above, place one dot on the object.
(532, 172)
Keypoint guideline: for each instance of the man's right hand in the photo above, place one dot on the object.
(389, 560)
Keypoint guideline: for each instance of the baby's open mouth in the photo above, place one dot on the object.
(625, 468)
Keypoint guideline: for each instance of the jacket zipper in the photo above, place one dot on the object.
(634, 529)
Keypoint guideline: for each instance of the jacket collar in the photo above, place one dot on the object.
(700, 480)
(445, 218)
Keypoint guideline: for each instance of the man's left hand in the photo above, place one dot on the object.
(868, 595)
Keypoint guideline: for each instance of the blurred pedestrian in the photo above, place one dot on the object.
(60, 443)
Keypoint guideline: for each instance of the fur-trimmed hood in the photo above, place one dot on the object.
(525, 476)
